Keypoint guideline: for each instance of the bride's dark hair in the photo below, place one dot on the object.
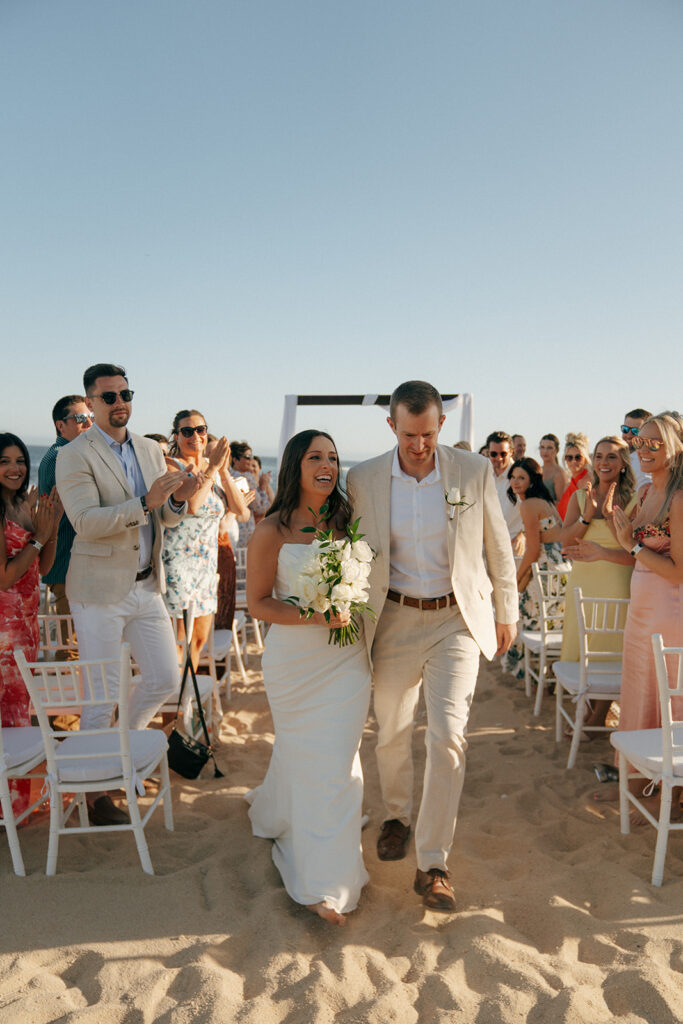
(287, 497)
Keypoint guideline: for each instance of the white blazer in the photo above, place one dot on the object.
(106, 517)
(479, 548)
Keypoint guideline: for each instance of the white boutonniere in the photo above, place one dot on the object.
(454, 500)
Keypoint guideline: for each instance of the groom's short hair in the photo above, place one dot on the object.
(417, 396)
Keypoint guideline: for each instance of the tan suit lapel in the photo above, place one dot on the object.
(101, 449)
(381, 499)
(451, 477)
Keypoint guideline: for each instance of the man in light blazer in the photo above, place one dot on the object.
(443, 587)
(118, 495)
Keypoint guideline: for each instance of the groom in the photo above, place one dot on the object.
(432, 515)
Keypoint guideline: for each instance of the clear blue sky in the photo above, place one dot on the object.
(242, 199)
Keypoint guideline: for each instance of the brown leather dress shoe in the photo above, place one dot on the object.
(104, 811)
(435, 889)
(393, 840)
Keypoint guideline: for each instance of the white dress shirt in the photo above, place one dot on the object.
(419, 563)
(512, 514)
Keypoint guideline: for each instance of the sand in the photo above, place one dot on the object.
(557, 920)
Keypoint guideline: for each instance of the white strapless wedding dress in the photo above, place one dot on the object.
(310, 802)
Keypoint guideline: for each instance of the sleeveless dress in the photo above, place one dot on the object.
(573, 485)
(596, 579)
(656, 607)
(549, 557)
(310, 802)
(18, 628)
(190, 557)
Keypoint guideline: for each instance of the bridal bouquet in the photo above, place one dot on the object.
(334, 579)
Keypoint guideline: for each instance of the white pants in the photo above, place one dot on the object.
(140, 619)
(435, 647)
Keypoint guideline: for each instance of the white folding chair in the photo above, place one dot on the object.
(241, 595)
(56, 635)
(542, 646)
(21, 750)
(597, 673)
(218, 652)
(93, 760)
(654, 754)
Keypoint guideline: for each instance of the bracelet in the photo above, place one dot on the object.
(37, 545)
(586, 522)
(636, 548)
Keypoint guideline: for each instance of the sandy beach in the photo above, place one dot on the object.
(557, 920)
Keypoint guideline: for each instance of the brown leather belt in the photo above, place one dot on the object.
(425, 604)
(144, 573)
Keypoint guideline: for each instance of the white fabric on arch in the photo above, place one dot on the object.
(464, 402)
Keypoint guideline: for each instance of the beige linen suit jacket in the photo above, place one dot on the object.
(106, 517)
(479, 547)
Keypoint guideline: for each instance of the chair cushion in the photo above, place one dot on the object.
(146, 747)
(21, 744)
(568, 675)
(643, 749)
(532, 639)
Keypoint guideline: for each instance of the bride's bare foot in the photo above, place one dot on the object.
(327, 913)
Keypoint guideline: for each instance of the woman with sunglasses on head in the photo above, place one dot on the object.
(653, 535)
(28, 541)
(600, 566)
(190, 551)
(577, 461)
(554, 477)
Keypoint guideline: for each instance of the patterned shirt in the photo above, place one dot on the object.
(260, 505)
(66, 532)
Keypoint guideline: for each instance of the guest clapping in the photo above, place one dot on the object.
(654, 537)
(190, 551)
(28, 541)
(577, 461)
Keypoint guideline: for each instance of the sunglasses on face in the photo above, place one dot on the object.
(629, 430)
(189, 431)
(650, 443)
(80, 417)
(110, 396)
(573, 458)
(498, 455)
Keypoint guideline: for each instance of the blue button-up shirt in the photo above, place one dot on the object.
(125, 453)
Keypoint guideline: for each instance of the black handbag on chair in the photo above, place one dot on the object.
(187, 756)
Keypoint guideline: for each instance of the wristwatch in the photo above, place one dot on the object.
(636, 548)
(143, 502)
(586, 522)
(37, 545)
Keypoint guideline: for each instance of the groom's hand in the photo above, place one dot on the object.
(505, 635)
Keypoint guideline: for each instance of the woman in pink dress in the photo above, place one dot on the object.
(27, 549)
(654, 536)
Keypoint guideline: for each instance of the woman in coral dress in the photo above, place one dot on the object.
(654, 536)
(28, 541)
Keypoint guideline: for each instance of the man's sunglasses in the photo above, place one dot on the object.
(110, 396)
(189, 431)
(629, 430)
(498, 455)
(573, 458)
(650, 443)
(80, 417)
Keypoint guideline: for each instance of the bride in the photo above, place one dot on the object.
(310, 800)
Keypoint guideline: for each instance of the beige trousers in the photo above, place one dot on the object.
(434, 647)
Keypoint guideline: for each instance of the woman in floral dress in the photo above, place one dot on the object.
(28, 541)
(190, 552)
(542, 530)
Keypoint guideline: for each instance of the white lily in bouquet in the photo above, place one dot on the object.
(334, 578)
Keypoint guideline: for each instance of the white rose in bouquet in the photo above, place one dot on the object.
(341, 593)
(351, 570)
(362, 551)
(306, 590)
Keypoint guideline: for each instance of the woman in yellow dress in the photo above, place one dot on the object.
(601, 567)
